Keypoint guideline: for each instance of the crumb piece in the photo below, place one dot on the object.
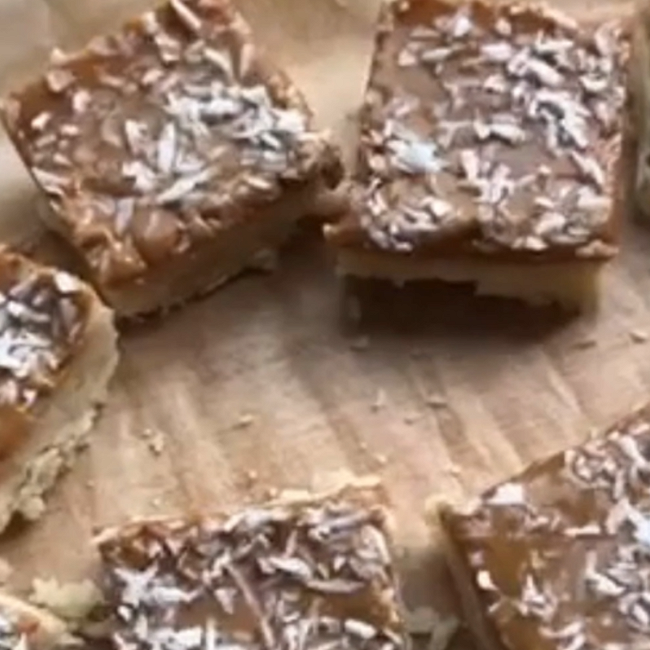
(380, 401)
(435, 401)
(156, 443)
(454, 469)
(71, 600)
(360, 344)
(246, 420)
(411, 418)
(639, 336)
(32, 507)
(381, 459)
(585, 343)
(156, 502)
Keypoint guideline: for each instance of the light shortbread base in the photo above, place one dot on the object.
(60, 424)
(570, 284)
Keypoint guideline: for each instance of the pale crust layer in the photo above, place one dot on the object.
(571, 284)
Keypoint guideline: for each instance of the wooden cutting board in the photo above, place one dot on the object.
(266, 384)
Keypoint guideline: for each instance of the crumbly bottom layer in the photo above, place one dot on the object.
(61, 423)
(570, 284)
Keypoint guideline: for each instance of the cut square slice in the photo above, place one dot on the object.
(489, 144)
(57, 354)
(559, 556)
(173, 153)
(309, 573)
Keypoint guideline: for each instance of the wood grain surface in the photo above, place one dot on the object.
(267, 383)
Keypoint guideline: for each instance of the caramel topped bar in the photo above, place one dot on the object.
(44, 315)
(559, 557)
(314, 574)
(172, 152)
(489, 135)
(57, 353)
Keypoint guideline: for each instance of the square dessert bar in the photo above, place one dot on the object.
(173, 153)
(57, 354)
(489, 144)
(306, 574)
(559, 557)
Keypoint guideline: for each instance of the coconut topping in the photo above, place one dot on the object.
(159, 136)
(560, 555)
(498, 125)
(42, 312)
(315, 576)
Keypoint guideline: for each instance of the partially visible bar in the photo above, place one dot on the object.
(57, 354)
(558, 558)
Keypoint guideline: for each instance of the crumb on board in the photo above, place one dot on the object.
(380, 401)
(436, 401)
(155, 440)
(381, 459)
(244, 421)
(639, 336)
(454, 470)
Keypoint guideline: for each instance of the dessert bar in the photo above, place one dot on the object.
(25, 627)
(488, 151)
(173, 153)
(309, 573)
(559, 556)
(57, 354)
